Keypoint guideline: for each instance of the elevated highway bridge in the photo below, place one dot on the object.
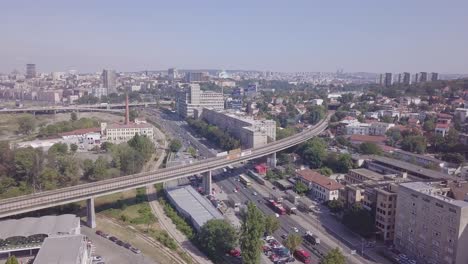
(88, 191)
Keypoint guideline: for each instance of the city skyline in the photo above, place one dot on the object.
(265, 36)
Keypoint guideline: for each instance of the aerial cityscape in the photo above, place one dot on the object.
(152, 132)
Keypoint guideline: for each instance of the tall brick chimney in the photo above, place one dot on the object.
(127, 112)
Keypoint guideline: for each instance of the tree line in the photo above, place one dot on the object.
(220, 137)
(27, 170)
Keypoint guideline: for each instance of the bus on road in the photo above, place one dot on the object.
(244, 180)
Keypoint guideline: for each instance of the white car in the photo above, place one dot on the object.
(277, 215)
(295, 229)
(97, 258)
(268, 238)
(255, 193)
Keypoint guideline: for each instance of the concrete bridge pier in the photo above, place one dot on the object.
(271, 160)
(90, 213)
(207, 182)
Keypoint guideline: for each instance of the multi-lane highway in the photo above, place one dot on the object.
(81, 192)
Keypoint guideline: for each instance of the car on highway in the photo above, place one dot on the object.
(235, 190)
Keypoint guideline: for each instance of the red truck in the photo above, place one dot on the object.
(278, 208)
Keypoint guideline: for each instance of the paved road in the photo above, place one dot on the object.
(177, 127)
(111, 252)
(246, 194)
(302, 222)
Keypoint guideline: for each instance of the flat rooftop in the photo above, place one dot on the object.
(48, 225)
(61, 250)
(412, 169)
(432, 189)
(369, 174)
(199, 208)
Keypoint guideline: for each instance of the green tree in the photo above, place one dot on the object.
(12, 260)
(346, 98)
(336, 206)
(334, 256)
(340, 163)
(292, 242)
(133, 114)
(192, 151)
(142, 145)
(217, 237)
(28, 164)
(415, 144)
(48, 179)
(73, 148)
(271, 224)
(26, 124)
(251, 233)
(301, 188)
(456, 158)
(370, 148)
(314, 114)
(106, 146)
(73, 116)
(429, 125)
(175, 145)
(68, 168)
(100, 168)
(58, 149)
(326, 171)
(314, 152)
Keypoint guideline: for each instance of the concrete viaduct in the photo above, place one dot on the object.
(89, 191)
(79, 108)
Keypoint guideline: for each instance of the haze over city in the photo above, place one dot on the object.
(370, 36)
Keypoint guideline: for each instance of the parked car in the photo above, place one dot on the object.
(119, 242)
(113, 239)
(127, 245)
(99, 232)
(234, 252)
(135, 250)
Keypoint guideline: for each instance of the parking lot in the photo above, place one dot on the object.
(111, 252)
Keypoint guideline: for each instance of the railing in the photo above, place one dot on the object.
(65, 195)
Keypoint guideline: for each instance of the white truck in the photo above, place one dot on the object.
(305, 205)
(290, 207)
(292, 196)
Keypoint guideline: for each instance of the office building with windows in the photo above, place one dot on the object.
(431, 222)
(192, 99)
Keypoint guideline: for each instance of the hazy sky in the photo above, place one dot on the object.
(286, 35)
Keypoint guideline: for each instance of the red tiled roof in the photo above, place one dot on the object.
(315, 177)
(366, 138)
(442, 125)
(81, 131)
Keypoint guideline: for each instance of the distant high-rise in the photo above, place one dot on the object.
(434, 76)
(381, 79)
(30, 71)
(195, 76)
(406, 78)
(399, 78)
(416, 78)
(423, 77)
(388, 79)
(109, 81)
(172, 74)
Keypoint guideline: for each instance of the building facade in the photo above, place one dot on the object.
(320, 186)
(193, 98)
(250, 132)
(431, 224)
(109, 81)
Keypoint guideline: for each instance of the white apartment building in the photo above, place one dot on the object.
(194, 99)
(320, 186)
(119, 133)
(251, 132)
(374, 129)
(431, 222)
